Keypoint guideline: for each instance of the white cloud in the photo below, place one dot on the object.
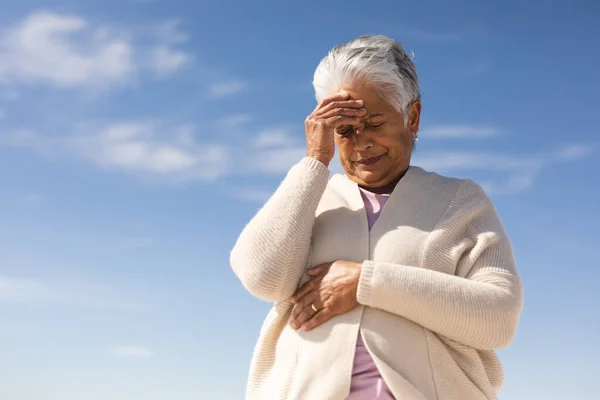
(147, 149)
(17, 290)
(27, 139)
(234, 121)
(131, 147)
(226, 89)
(157, 152)
(170, 32)
(514, 183)
(62, 50)
(574, 152)
(452, 161)
(65, 50)
(132, 352)
(458, 131)
(138, 147)
(253, 194)
(276, 137)
(517, 172)
(164, 58)
(274, 161)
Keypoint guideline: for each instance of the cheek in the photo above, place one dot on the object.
(397, 145)
(345, 150)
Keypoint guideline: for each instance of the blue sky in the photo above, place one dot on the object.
(137, 138)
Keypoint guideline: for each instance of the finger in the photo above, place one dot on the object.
(303, 312)
(339, 104)
(318, 319)
(341, 120)
(311, 298)
(349, 112)
(304, 290)
(343, 95)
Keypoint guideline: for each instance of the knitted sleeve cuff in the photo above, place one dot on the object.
(363, 296)
(312, 164)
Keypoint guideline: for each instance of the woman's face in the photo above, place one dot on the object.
(374, 153)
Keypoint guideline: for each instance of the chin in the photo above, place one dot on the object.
(370, 177)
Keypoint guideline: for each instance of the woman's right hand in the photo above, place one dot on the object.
(320, 125)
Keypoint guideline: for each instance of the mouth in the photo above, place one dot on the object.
(369, 161)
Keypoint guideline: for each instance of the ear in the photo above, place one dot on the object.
(414, 117)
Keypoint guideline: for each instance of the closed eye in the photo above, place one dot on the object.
(344, 131)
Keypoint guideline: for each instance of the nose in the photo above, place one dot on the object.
(361, 140)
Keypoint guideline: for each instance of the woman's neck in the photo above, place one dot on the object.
(386, 189)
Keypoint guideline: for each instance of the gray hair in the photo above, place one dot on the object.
(373, 59)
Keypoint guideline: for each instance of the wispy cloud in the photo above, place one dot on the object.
(234, 121)
(254, 195)
(62, 50)
(66, 50)
(274, 161)
(574, 152)
(274, 137)
(165, 57)
(157, 152)
(27, 139)
(138, 147)
(132, 352)
(142, 148)
(227, 88)
(17, 290)
(132, 146)
(170, 31)
(519, 172)
(446, 161)
(459, 131)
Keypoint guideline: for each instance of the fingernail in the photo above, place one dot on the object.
(359, 102)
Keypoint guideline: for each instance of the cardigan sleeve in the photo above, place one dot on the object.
(271, 253)
(479, 304)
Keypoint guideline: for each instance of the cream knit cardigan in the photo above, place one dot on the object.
(437, 293)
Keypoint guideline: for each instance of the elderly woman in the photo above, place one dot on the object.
(388, 282)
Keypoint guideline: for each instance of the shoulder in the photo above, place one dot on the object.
(461, 202)
(460, 190)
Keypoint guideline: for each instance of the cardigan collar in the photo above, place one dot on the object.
(351, 191)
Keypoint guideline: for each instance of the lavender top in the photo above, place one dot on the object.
(367, 383)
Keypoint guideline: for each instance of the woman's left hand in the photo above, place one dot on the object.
(331, 291)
